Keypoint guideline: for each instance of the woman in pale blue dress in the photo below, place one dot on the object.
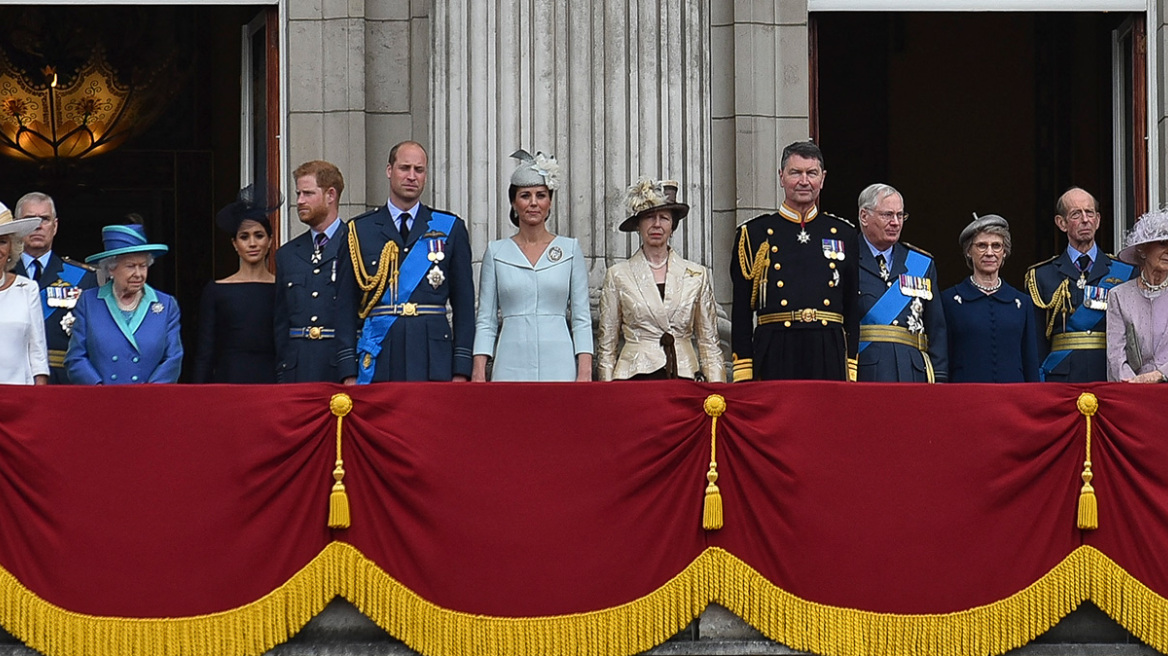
(533, 316)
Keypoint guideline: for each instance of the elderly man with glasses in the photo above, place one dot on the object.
(1070, 295)
(902, 325)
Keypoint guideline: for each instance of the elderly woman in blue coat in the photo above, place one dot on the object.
(124, 331)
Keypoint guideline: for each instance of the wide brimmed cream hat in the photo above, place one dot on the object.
(10, 225)
(645, 195)
(1151, 227)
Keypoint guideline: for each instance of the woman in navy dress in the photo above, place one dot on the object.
(236, 342)
(991, 330)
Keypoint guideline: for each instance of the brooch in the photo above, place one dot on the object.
(67, 323)
(555, 254)
(157, 307)
(435, 277)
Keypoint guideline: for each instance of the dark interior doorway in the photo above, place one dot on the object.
(968, 112)
(176, 173)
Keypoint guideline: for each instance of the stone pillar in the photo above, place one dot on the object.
(357, 85)
(613, 89)
(760, 104)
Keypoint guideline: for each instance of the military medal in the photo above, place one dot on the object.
(1095, 298)
(554, 254)
(916, 287)
(833, 249)
(157, 307)
(67, 323)
(57, 296)
(915, 325)
(1082, 284)
(435, 277)
(437, 250)
(316, 256)
(803, 236)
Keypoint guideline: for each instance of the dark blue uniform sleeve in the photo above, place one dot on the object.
(936, 330)
(282, 320)
(462, 298)
(346, 311)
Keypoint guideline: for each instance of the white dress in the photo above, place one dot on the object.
(23, 353)
(524, 311)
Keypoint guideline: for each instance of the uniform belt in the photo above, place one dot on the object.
(312, 332)
(56, 358)
(894, 335)
(809, 315)
(1078, 341)
(406, 310)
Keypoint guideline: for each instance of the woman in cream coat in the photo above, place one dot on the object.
(659, 302)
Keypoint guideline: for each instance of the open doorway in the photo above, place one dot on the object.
(205, 137)
(979, 112)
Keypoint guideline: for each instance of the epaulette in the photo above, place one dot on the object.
(839, 218)
(81, 265)
(916, 248)
(751, 219)
(435, 210)
(365, 214)
(1046, 261)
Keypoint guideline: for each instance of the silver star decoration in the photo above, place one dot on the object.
(804, 237)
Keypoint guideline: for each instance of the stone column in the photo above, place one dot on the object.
(357, 84)
(613, 89)
(760, 104)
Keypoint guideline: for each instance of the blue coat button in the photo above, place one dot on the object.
(113, 376)
(134, 378)
(135, 358)
(115, 358)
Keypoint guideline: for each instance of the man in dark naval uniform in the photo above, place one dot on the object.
(796, 271)
(902, 325)
(1070, 295)
(409, 262)
(61, 279)
(315, 334)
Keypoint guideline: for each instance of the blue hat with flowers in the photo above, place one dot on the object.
(122, 239)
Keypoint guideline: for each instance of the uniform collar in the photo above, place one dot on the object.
(795, 217)
(1074, 254)
(330, 231)
(27, 260)
(887, 253)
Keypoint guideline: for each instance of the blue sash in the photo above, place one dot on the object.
(893, 302)
(70, 273)
(413, 268)
(1085, 318)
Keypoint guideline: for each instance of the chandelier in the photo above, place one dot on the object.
(90, 115)
(77, 84)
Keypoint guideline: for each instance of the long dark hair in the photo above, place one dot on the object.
(512, 191)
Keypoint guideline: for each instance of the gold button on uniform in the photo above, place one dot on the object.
(833, 231)
(774, 249)
(770, 231)
(826, 302)
(786, 324)
(778, 266)
(780, 283)
(831, 265)
(783, 302)
(313, 318)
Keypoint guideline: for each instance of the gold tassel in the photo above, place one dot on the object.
(1088, 505)
(340, 405)
(714, 406)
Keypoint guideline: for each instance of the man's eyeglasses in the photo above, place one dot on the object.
(889, 216)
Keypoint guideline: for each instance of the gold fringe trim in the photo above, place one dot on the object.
(248, 630)
(985, 630)
(630, 628)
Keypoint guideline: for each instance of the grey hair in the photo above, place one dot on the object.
(968, 236)
(874, 193)
(34, 197)
(106, 265)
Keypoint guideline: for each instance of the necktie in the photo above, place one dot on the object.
(883, 266)
(1084, 263)
(320, 240)
(36, 270)
(405, 226)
